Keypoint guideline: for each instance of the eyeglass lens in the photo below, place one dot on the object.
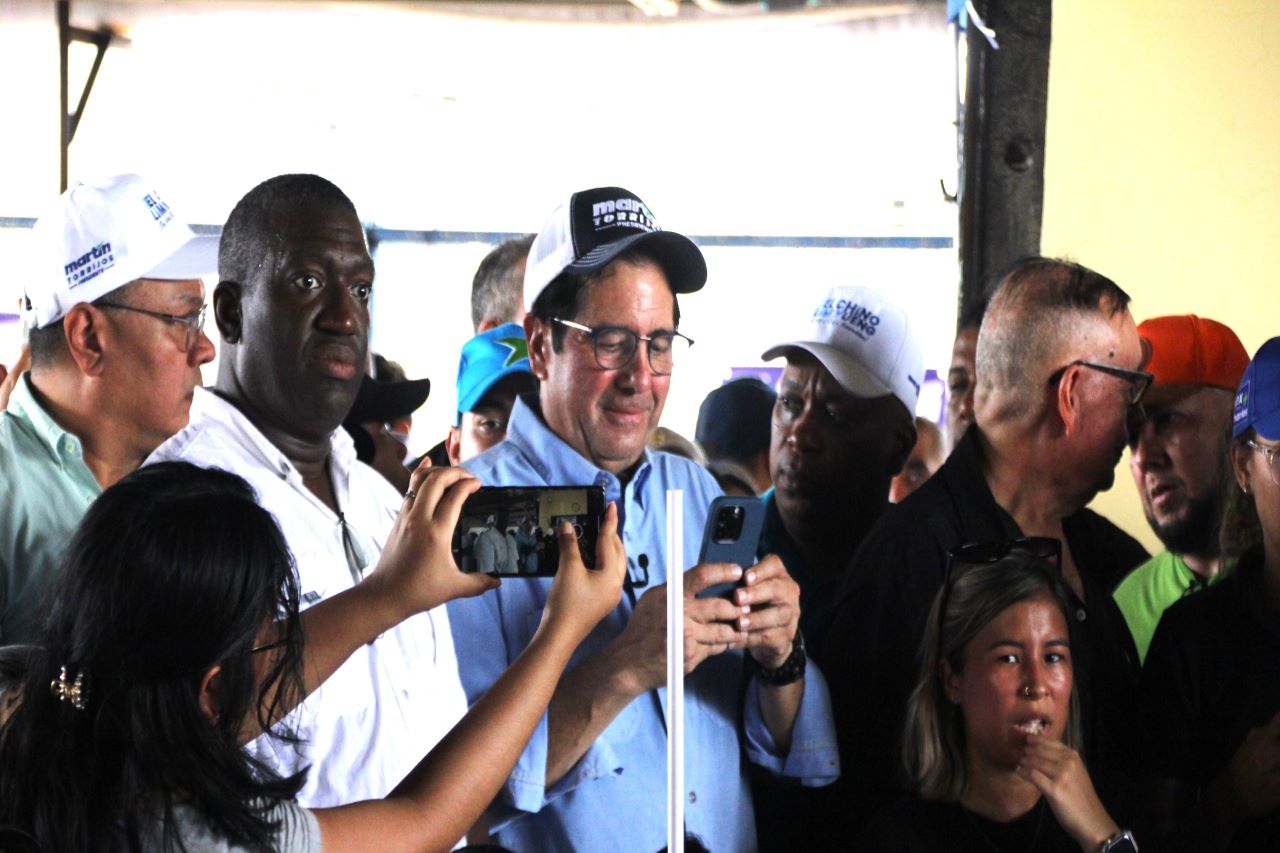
(194, 326)
(616, 347)
(1272, 455)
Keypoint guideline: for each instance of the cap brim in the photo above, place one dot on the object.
(853, 377)
(195, 258)
(679, 256)
(386, 401)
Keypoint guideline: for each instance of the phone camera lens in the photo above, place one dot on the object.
(728, 525)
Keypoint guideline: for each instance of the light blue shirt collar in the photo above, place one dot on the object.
(556, 461)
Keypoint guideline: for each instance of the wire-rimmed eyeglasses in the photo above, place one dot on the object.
(193, 323)
(984, 553)
(1273, 457)
(615, 346)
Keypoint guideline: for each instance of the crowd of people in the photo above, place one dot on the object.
(233, 618)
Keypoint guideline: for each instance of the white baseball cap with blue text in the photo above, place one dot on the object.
(867, 343)
(103, 234)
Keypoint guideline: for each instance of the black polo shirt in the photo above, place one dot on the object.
(871, 656)
(1212, 674)
(935, 826)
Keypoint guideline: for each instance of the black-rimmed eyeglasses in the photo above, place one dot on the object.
(193, 323)
(615, 346)
(1139, 380)
(984, 553)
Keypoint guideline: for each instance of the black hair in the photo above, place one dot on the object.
(173, 570)
(47, 343)
(250, 230)
(497, 290)
(1240, 531)
(562, 298)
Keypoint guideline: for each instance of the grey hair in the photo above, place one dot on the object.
(1040, 306)
(497, 290)
(934, 741)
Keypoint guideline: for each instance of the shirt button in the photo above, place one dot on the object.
(1081, 615)
(693, 796)
(68, 446)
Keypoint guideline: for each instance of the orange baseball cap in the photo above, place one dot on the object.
(1187, 352)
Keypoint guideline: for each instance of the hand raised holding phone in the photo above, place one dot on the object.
(581, 597)
(417, 570)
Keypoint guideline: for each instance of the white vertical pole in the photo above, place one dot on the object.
(675, 670)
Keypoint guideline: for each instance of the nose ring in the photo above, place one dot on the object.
(1026, 690)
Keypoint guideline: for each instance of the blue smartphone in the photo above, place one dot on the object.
(732, 536)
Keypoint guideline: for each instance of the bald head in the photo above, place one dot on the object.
(1044, 313)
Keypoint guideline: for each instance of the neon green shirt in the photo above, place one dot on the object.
(47, 488)
(1153, 587)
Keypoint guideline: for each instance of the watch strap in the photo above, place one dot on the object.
(790, 671)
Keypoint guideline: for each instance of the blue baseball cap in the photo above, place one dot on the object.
(487, 358)
(1258, 397)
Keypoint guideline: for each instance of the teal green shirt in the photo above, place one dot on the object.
(1152, 587)
(47, 488)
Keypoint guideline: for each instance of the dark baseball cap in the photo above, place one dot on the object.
(735, 419)
(592, 228)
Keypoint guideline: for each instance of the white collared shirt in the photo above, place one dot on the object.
(376, 717)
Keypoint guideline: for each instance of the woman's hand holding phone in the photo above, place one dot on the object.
(416, 570)
(581, 597)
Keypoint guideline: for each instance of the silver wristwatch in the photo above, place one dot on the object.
(1122, 842)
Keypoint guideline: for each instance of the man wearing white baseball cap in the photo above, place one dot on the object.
(601, 291)
(843, 426)
(115, 308)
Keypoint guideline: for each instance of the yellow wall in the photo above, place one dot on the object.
(1162, 165)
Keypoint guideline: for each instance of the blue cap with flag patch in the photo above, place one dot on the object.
(1258, 397)
(487, 358)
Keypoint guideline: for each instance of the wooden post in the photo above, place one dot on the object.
(1002, 189)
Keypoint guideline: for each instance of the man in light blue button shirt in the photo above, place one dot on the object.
(600, 287)
(115, 306)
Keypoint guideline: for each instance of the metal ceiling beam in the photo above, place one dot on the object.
(101, 39)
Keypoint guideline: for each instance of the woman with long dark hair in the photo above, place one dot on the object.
(992, 727)
(1211, 684)
(173, 637)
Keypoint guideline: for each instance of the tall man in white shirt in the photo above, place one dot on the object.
(292, 306)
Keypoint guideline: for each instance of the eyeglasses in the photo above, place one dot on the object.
(1140, 380)
(615, 346)
(1272, 454)
(984, 553)
(194, 323)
